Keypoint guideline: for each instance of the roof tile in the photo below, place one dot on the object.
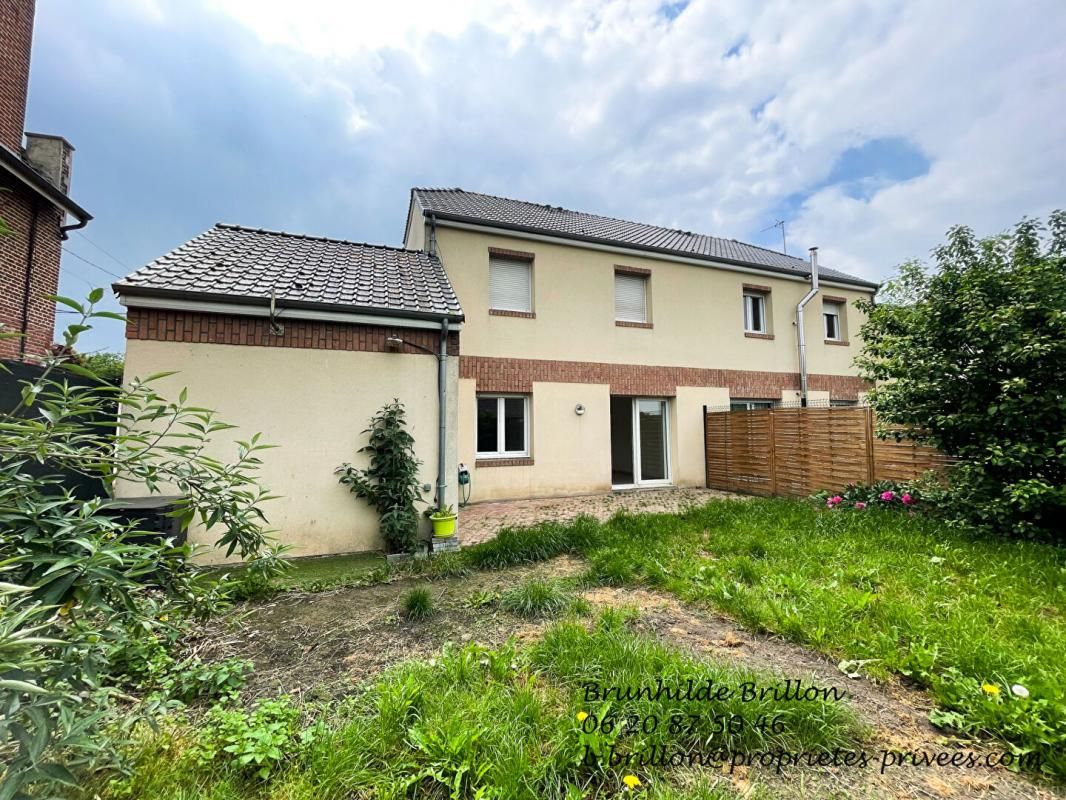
(229, 261)
(505, 213)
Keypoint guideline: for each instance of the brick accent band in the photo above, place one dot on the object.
(519, 375)
(621, 323)
(642, 271)
(189, 326)
(503, 462)
(756, 287)
(503, 252)
(752, 335)
(501, 312)
(834, 299)
(837, 342)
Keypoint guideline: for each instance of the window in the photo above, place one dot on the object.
(749, 405)
(843, 403)
(510, 284)
(502, 425)
(630, 297)
(755, 312)
(833, 314)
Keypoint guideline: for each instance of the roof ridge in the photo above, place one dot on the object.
(270, 232)
(575, 211)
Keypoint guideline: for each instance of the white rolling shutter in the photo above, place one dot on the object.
(630, 298)
(510, 285)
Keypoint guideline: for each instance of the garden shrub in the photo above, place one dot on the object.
(972, 360)
(77, 587)
(390, 483)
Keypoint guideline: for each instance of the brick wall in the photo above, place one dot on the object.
(519, 374)
(17, 208)
(16, 36)
(230, 329)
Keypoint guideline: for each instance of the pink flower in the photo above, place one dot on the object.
(907, 499)
(888, 497)
(860, 505)
(834, 501)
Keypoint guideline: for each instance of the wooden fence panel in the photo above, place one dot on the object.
(795, 452)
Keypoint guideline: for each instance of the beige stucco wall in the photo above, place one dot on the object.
(313, 405)
(572, 454)
(697, 311)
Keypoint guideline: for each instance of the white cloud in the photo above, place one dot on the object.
(610, 107)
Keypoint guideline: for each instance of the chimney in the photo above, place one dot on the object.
(16, 38)
(51, 156)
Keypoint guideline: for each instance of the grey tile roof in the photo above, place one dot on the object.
(504, 212)
(232, 263)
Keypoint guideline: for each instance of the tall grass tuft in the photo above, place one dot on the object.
(417, 604)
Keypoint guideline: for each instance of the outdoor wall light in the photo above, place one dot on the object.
(579, 409)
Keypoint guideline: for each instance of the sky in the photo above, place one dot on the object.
(870, 128)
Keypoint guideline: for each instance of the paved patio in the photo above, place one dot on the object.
(479, 522)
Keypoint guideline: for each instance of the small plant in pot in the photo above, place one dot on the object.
(443, 520)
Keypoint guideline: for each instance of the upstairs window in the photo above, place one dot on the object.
(630, 297)
(502, 426)
(510, 284)
(755, 312)
(749, 405)
(833, 315)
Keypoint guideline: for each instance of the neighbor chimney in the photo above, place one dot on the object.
(16, 37)
(50, 156)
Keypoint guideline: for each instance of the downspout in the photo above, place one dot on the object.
(442, 391)
(26, 286)
(64, 230)
(799, 322)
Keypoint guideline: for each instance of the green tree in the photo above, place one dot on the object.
(971, 358)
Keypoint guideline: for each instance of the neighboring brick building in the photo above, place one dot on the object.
(34, 182)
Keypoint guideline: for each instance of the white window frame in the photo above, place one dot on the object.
(528, 264)
(831, 308)
(751, 405)
(643, 280)
(500, 452)
(750, 299)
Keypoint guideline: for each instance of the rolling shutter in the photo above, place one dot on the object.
(630, 298)
(510, 284)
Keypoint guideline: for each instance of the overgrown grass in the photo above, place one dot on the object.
(479, 722)
(417, 604)
(536, 598)
(966, 617)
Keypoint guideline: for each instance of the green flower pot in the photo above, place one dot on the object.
(443, 527)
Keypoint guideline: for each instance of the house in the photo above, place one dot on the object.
(34, 199)
(546, 351)
(591, 344)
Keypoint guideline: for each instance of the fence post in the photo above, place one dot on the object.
(706, 453)
(870, 465)
(773, 456)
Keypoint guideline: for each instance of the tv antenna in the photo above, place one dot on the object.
(779, 224)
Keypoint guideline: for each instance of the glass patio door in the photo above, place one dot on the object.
(640, 441)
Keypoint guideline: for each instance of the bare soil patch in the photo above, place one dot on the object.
(321, 646)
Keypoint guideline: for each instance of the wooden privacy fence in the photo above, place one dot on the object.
(796, 452)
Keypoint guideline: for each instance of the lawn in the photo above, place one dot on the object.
(977, 623)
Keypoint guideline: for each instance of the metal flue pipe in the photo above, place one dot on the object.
(799, 325)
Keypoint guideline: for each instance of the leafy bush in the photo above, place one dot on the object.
(390, 483)
(76, 586)
(253, 742)
(417, 604)
(972, 359)
(536, 598)
(147, 666)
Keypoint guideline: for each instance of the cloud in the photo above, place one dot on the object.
(869, 129)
